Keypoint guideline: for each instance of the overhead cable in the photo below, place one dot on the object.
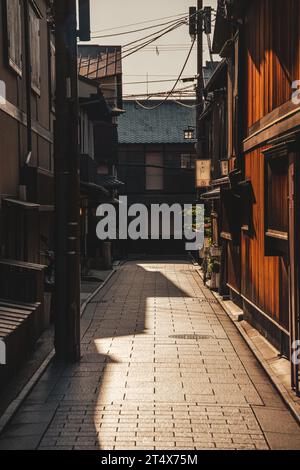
(179, 77)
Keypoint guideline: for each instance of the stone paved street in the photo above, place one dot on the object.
(146, 381)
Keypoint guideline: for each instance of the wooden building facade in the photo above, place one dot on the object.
(26, 127)
(27, 89)
(101, 97)
(98, 156)
(259, 40)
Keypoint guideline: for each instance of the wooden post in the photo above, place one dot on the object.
(67, 185)
(200, 82)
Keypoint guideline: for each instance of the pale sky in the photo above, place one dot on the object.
(107, 14)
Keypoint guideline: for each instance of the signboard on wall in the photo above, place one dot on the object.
(203, 173)
(224, 164)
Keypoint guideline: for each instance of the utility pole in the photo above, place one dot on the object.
(200, 82)
(67, 185)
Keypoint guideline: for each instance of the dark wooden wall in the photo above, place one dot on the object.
(13, 127)
(132, 170)
(14, 143)
(263, 278)
(273, 55)
(272, 52)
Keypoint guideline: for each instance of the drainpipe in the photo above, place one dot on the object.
(28, 81)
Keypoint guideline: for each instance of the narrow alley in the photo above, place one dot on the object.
(163, 367)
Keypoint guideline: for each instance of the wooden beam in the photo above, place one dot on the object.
(278, 113)
(275, 128)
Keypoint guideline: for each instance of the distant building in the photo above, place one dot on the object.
(157, 159)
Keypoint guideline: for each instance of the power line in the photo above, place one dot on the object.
(190, 106)
(150, 81)
(152, 34)
(152, 75)
(186, 89)
(179, 21)
(138, 48)
(135, 30)
(179, 96)
(130, 53)
(184, 14)
(141, 22)
(177, 91)
(179, 77)
(164, 30)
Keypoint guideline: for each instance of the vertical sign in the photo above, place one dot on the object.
(203, 175)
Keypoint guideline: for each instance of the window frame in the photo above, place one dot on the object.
(17, 18)
(276, 241)
(191, 157)
(152, 167)
(35, 13)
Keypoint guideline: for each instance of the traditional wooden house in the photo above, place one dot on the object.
(157, 160)
(214, 126)
(27, 113)
(259, 207)
(99, 183)
(100, 72)
(102, 65)
(26, 178)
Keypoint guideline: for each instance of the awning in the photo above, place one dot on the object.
(221, 181)
(214, 194)
(93, 188)
(26, 205)
(22, 204)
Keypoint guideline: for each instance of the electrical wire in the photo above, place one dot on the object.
(141, 22)
(163, 31)
(153, 39)
(152, 81)
(134, 50)
(180, 22)
(183, 20)
(134, 31)
(127, 53)
(183, 89)
(166, 30)
(179, 77)
(190, 106)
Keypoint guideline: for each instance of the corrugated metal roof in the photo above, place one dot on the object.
(164, 125)
(96, 62)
